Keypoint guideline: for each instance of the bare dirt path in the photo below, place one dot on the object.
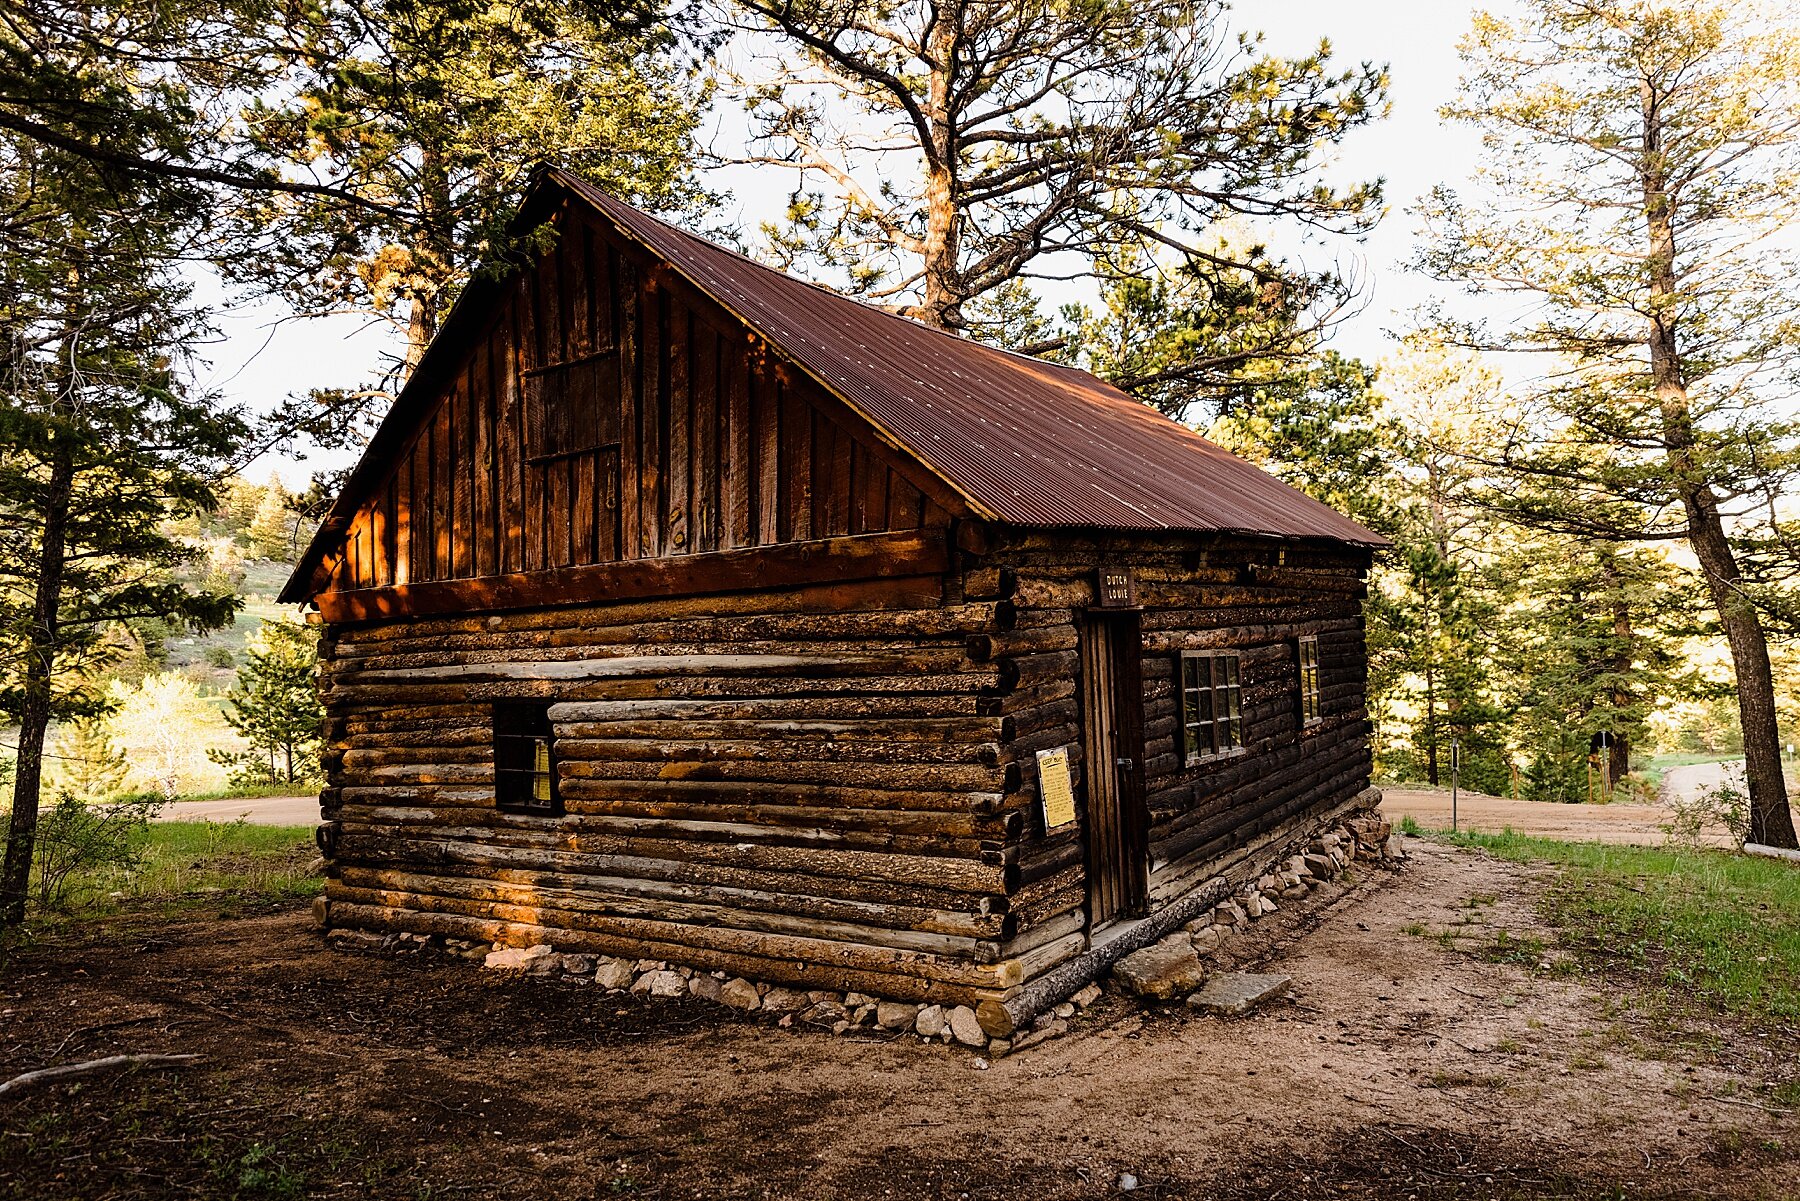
(1405, 1064)
(1491, 815)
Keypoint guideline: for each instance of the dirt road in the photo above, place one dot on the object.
(1405, 1064)
(258, 811)
(1640, 824)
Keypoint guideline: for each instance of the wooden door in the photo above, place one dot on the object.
(1116, 822)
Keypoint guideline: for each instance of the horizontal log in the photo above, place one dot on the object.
(835, 560)
(896, 982)
(946, 871)
(759, 957)
(920, 930)
(425, 849)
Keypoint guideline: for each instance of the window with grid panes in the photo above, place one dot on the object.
(1310, 708)
(1212, 720)
(524, 760)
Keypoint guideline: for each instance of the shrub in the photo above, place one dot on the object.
(1725, 804)
(75, 836)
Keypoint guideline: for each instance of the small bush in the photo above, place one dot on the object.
(75, 836)
(1725, 804)
(219, 657)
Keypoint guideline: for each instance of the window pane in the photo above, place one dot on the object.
(540, 770)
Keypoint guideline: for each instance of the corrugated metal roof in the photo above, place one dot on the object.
(1027, 442)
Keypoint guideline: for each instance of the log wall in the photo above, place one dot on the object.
(830, 785)
(1256, 597)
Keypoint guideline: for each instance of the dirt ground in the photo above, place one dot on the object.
(1415, 1058)
(1430, 807)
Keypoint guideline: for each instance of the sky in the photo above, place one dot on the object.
(260, 357)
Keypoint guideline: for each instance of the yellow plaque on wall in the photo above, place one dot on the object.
(1054, 787)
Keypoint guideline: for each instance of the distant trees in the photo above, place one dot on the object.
(275, 707)
(1642, 159)
(993, 141)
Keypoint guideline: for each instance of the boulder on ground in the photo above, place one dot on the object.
(661, 983)
(1160, 971)
(1233, 993)
(930, 1021)
(612, 973)
(704, 986)
(785, 1000)
(1088, 994)
(826, 1013)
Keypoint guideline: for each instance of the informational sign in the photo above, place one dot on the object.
(1054, 788)
(1117, 588)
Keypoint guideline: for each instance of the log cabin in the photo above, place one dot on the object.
(681, 609)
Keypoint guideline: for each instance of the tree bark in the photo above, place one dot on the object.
(944, 292)
(1771, 821)
(39, 674)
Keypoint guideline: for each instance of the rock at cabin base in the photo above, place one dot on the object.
(826, 1013)
(1042, 1034)
(930, 1021)
(1206, 940)
(895, 1015)
(1064, 1011)
(740, 994)
(1235, 993)
(613, 973)
(967, 1027)
(662, 983)
(1159, 971)
(1090, 992)
(522, 959)
(705, 987)
(784, 1000)
(578, 965)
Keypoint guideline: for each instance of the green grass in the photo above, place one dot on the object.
(1717, 927)
(192, 863)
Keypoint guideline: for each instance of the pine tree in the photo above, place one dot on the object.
(998, 140)
(1595, 642)
(272, 530)
(1637, 212)
(436, 111)
(275, 707)
(102, 440)
(89, 765)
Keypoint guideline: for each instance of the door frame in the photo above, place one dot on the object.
(1115, 845)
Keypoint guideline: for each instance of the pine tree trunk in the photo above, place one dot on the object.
(1771, 821)
(943, 290)
(38, 678)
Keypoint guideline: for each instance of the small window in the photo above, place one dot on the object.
(525, 760)
(1309, 681)
(572, 408)
(1212, 719)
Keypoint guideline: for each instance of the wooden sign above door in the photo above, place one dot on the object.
(1116, 588)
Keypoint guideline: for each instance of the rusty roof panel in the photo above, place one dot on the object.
(1027, 442)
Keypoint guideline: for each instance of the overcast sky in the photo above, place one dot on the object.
(260, 359)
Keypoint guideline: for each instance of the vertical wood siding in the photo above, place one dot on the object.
(718, 445)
